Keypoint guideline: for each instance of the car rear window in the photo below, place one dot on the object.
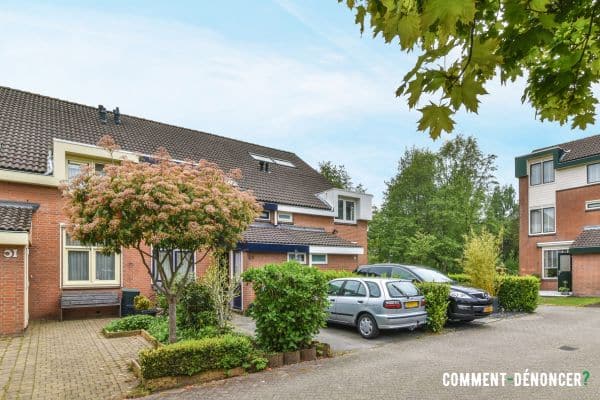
(402, 289)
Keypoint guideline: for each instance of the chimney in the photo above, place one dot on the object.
(102, 114)
(117, 116)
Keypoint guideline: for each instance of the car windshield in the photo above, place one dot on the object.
(402, 289)
(430, 275)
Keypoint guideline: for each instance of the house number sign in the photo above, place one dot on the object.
(10, 253)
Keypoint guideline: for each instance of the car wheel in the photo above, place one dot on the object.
(367, 326)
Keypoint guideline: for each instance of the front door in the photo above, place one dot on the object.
(564, 272)
(235, 266)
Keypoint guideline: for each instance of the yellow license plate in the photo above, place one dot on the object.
(411, 304)
(488, 308)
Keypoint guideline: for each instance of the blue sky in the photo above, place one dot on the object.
(289, 74)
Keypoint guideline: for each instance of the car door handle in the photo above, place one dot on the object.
(332, 300)
(360, 301)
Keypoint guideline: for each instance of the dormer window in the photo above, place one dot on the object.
(346, 210)
(265, 215)
(265, 161)
(263, 166)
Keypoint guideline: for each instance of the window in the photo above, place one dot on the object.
(550, 262)
(265, 215)
(401, 273)
(285, 217)
(541, 172)
(402, 289)
(299, 257)
(354, 289)
(333, 288)
(318, 259)
(74, 168)
(542, 220)
(592, 205)
(88, 265)
(171, 261)
(374, 290)
(380, 271)
(346, 210)
(271, 160)
(593, 173)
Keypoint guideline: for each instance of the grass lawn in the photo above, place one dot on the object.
(569, 301)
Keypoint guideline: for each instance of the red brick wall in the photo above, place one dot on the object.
(12, 291)
(586, 274)
(571, 217)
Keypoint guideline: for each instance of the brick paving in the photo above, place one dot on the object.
(66, 360)
(411, 366)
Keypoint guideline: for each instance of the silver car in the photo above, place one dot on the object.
(372, 304)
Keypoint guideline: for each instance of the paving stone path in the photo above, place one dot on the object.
(67, 360)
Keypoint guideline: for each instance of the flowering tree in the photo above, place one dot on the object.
(185, 206)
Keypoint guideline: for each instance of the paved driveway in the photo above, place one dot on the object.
(66, 360)
(411, 367)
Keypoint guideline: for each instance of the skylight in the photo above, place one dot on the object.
(272, 160)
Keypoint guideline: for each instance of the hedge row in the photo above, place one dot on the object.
(130, 323)
(194, 356)
(463, 279)
(518, 293)
(336, 274)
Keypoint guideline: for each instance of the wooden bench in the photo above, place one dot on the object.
(69, 300)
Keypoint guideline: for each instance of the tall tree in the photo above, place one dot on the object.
(502, 219)
(339, 177)
(464, 44)
(191, 207)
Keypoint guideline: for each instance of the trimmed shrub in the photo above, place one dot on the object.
(130, 323)
(463, 279)
(289, 307)
(481, 257)
(330, 274)
(195, 308)
(194, 356)
(436, 298)
(141, 303)
(518, 293)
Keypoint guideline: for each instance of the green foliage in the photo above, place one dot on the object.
(436, 298)
(339, 177)
(330, 274)
(142, 303)
(481, 258)
(289, 308)
(195, 308)
(194, 356)
(221, 290)
(130, 323)
(518, 293)
(463, 45)
(159, 329)
(259, 363)
(437, 198)
(462, 279)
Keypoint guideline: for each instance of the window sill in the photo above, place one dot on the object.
(342, 222)
(542, 234)
(549, 279)
(92, 286)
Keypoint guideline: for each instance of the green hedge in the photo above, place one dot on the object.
(518, 293)
(289, 305)
(436, 298)
(194, 356)
(463, 279)
(130, 323)
(337, 273)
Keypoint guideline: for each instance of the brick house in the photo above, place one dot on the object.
(45, 140)
(559, 197)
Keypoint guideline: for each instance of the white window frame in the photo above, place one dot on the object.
(285, 221)
(587, 174)
(345, 200)
(292, 256)
(542, 164)
(312, 261)
(542, 211)
(81, 162)
(154, 271)
(547, 249)
(592, 205)
(268, 218)
(92, 281)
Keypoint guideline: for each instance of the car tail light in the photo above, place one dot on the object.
(392, 304)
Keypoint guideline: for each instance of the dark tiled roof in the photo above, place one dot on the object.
(16, 216)
(286, 234)
(29, 122)
(577, 149)
(589, 237)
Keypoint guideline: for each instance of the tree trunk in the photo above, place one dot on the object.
(172, 300)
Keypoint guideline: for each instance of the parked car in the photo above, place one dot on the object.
(466, 303)
(372, 304)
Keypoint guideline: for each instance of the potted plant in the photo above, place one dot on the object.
(144, 305)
